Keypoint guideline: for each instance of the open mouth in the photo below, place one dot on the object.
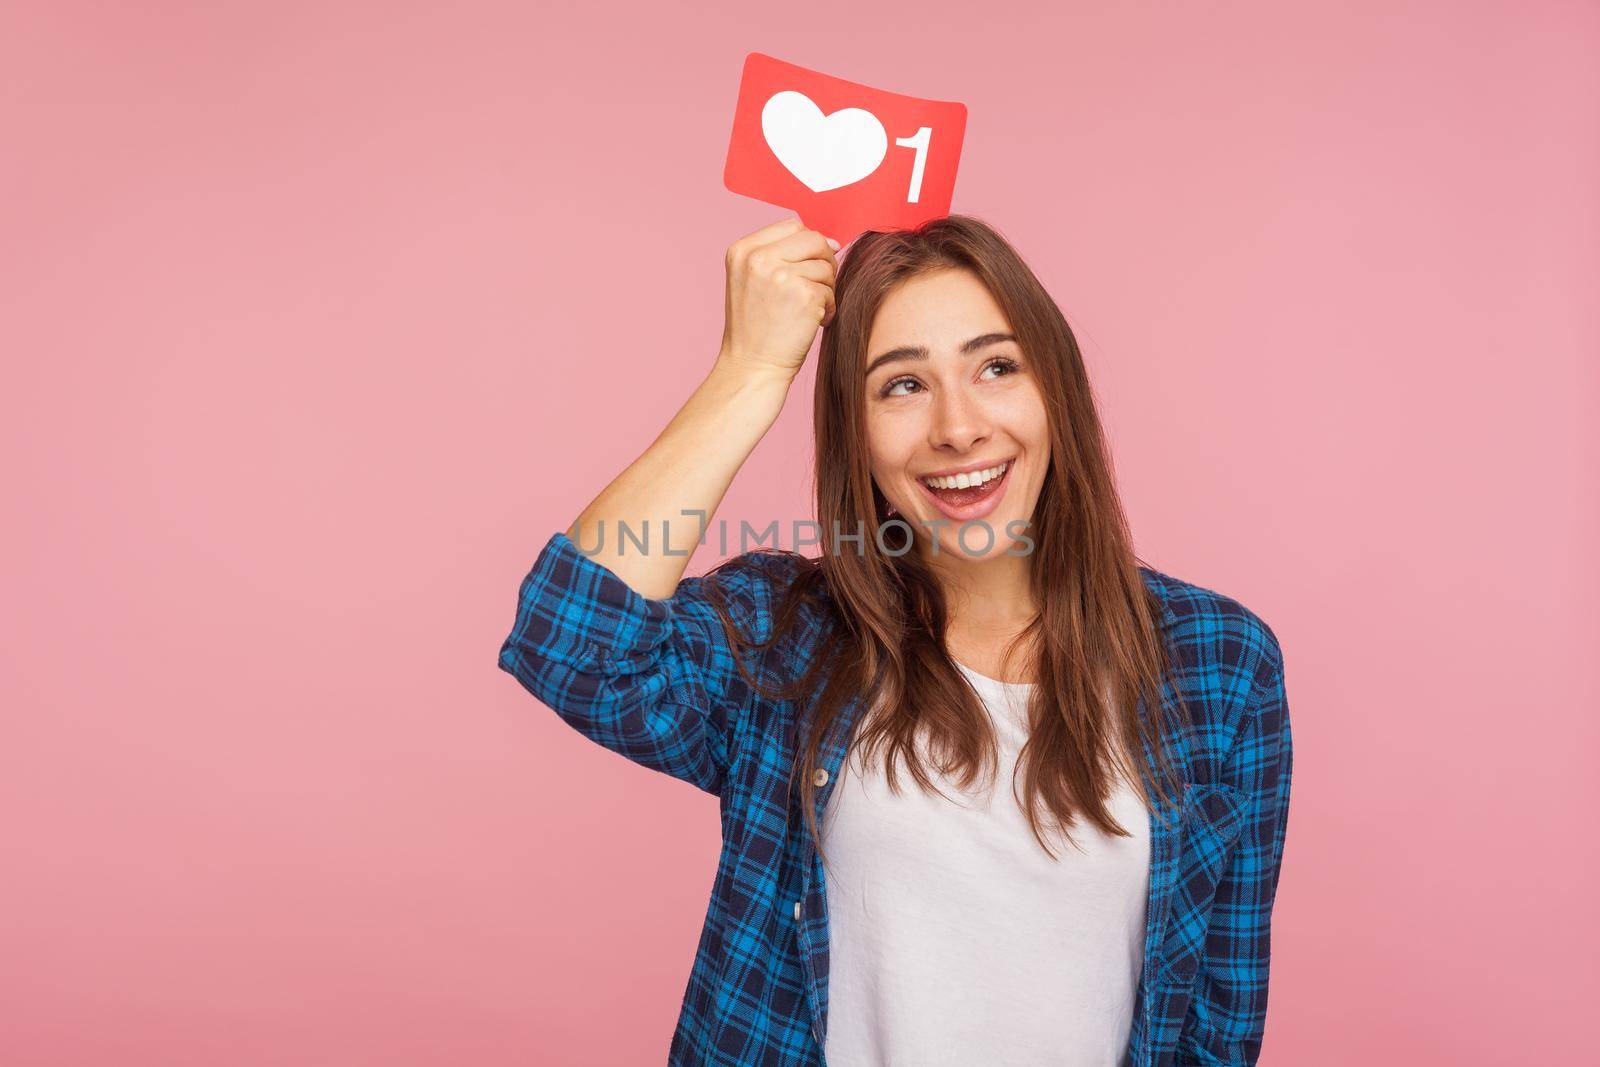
(965, 497)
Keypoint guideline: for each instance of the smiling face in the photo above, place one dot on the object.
(949, 390)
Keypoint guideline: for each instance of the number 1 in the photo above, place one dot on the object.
(919, 141)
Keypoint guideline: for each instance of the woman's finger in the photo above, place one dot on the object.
(769, 233)
(817, 270)
(802, 245)
(826, 293)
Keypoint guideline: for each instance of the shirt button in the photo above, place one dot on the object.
(797, 909)
(821, 777)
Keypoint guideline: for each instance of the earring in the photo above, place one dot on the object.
(891, 510)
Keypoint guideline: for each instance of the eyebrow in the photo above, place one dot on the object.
(921, 351)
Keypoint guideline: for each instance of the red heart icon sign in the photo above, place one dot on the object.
(844, 156)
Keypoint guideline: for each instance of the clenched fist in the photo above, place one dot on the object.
(780, 291)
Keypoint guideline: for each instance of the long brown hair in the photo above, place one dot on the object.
(1098, 631)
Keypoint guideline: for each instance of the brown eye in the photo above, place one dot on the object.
(885, 391)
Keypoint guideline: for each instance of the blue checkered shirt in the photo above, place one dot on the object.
(655, 680)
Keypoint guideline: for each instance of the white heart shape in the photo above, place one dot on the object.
(823, 151)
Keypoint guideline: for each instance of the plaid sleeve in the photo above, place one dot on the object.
(652, 680)
(1228, 1011)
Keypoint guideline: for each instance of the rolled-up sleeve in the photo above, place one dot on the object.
(652, 680)
(1228, 1012)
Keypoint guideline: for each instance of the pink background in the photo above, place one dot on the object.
(318, 319)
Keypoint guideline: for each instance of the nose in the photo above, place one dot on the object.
(959, 421)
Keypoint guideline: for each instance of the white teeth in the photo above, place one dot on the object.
(966, 481)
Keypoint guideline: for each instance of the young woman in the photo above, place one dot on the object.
(1086, 870)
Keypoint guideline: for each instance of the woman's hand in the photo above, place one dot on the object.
(780, 290)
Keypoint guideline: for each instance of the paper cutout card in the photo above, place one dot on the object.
(845, 157)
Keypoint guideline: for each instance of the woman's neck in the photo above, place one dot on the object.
(993, 594)
(989, 604)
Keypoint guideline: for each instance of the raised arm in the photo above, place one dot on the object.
(779, 290)
(624, 648)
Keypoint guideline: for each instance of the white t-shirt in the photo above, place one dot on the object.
(955, 939)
